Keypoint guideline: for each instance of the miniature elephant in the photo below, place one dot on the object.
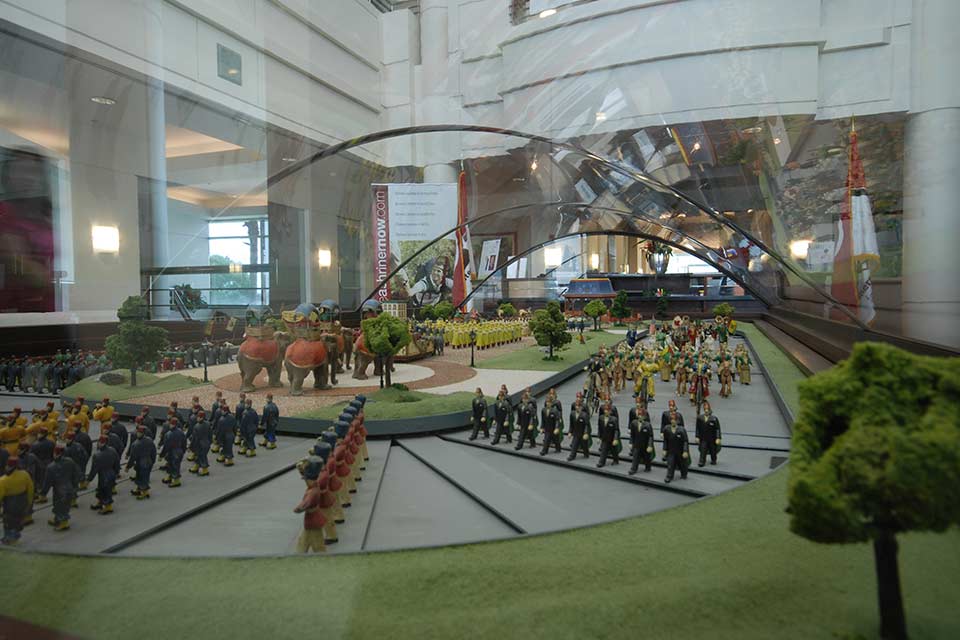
(258, 353)
(346, 354)
(364, 358)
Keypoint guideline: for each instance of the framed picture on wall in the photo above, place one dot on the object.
(508, 247)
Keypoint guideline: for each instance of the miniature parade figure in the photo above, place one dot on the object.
(478, 417)
(312, 537)
(502, 417)
(270, 420)
(641, 441)
(63, 477)
(248, 430)
(645, 388)
(105, 468)
(224, 434)
(78, 453)
(174, 448)
(700, 382)
(120, 431)
(608, 427)
(238, 414)
(708, 435)
(215, 420)
(143, 455)
(677, 449)
(725, 371)
(527, 420)
(665, 417)
(43, 450)
(579, 428)
(200, 445)
(16, 498)
(742, 359)
(552, 421)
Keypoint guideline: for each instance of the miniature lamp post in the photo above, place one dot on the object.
(473, 343)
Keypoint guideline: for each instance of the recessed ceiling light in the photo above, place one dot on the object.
(834, 150)
(103, 100)
(696, 146)
(753, 130)
(233, 71)
(546, 13)
(533, 166)
(776, 141)
(601, 116)
(288, 159)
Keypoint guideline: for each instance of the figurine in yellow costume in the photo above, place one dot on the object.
(644, 388)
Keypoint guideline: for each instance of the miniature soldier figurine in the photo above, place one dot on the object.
(248, 430)
(238, 414)
(665, 418)
(225, 428)
(174, 446)
(743, 362)
(634, 412)
(579, 428)
(63, 476)
(708, 435)
(43, 449)
(30, 464)
(552, 426)
(77, 452)
(312, 536)
(641, 441)
(143, 455)
(270, 420)
(502, 417)
(527, 420)
(105, 468)
(479, 415)
(678, 449)
(609, 430)
(120, 431)
(215, 420)
(16, 496)
(200, 445)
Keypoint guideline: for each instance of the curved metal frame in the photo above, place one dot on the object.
(628, 172)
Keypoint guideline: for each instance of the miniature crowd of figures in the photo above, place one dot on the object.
(190, 356)
(528, 424)
(55, 454)
(331, 471)
(690, 353)
(50, 374)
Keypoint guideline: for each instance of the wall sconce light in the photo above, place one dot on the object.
(594, 261)
(105, 239)
(324, 258)
(553, 256)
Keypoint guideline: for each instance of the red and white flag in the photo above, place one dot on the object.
(855, 253)
(462, 271)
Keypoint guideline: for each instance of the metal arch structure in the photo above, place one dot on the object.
(628, 172)
(633, 234)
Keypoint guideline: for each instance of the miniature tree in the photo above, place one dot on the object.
(724, 309)
(595, 309)
(549, 327)
(619, 308)
(443, 310)
(136, 343)
(507, 310)
(876, 452)
(427, 312)
(384, 336)
(663, 301)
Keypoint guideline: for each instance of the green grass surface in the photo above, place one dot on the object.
(532, 358)
(393, 404)
(147, 385)
(720, 568)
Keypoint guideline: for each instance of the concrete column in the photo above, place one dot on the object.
(931, 218)
(437, 149)
(156, 157)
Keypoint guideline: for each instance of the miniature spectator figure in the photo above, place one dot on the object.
(708, 435)
(478, 417)
(143, 455)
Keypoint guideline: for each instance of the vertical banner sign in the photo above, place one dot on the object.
(462, 271)
(381, 240)
(488, 257)
(413, 225)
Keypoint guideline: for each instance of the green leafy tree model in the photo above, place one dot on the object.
(427, 312)
(595, 309)
(724, 309)
(443, 310)
(619, 308)
(136, 343)
(549, 327)
(507, 310)
(876, 452)
(385, 336)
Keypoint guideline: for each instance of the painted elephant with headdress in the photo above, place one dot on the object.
(262, 348)
(310, 350)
